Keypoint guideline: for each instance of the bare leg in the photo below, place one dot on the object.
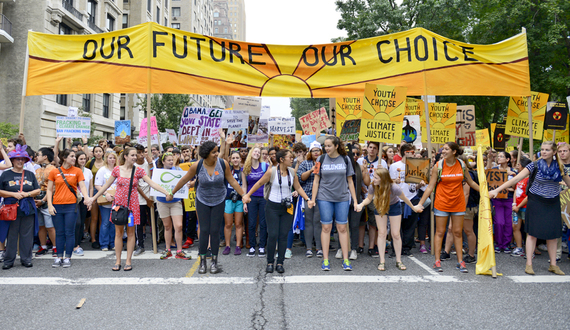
(530, 245)
(177, 224)
(229, 221)
(119, 230)
(395, 223)
(449, 238)
(326, 239)
(471, 238)
(382, 223)
(551, 245)
(131, 240)
(458, 235)
(239, 228)
(440, 224)
(343, 238)
(167, 223)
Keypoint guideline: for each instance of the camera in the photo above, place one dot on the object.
(286, 202)
(235, 196)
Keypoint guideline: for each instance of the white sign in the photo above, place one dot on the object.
(163, 137)
(72, 112)
(168, 179)
(265, 112)
(76, 127)
(233, 119)
(172, 136)
(142, 140)
(281, 126)
(431, 98)
(250, 104)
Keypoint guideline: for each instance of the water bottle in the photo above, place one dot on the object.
(131, 220)
(515, 218)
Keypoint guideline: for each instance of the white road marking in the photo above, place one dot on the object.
(359, 279)
(540, 279)
(424, 266)
(148, 255)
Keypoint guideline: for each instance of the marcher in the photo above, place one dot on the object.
(233, 211)
(94, 165)
(44, 159)
(503, 220)
(107, 230)
(80, 160)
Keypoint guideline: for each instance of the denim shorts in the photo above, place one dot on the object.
(395, 210)
(439, 213)
(337, 209)
(44, 218)
(232, 207)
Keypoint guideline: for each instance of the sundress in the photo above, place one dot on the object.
(121, 195)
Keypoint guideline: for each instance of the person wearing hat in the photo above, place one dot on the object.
(19, 186)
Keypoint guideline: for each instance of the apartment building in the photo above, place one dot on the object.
(237, 18)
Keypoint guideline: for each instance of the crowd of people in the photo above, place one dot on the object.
(65, 199)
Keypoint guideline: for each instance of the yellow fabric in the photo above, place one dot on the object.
(151, 58)
(517, 116)
(442, 119)
(485, 247)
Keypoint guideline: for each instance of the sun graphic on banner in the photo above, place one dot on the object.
(347, 108)
(518, 106)
(384, 103)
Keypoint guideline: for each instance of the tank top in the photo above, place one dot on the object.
(254, 176)
(212, 189)
(283, 190)
(449, 195)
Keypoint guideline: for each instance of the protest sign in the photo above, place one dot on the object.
(347, 108)
(76, 127)
(411, 131)
(190, 200)
(561, 136)
(565, 206)
(249, 104)
(153, 127)
(308, 139)
(555, 117)
(384, 108)
(495, 178)
(122, 131)
(168, 179)
(417, 170)
(414, 107)
(281, 126)
(482, 138)
(198, 125)
(172, 135)
(499, 137)
(315, 121)
(284, 141)
(72, 112)
(154, 139)
(442, 122)
(240, 136)
(350, 130)
(265, 112)
(261, 134)
(163, 136)
(465, 126)
(517, 115)
(235, 118)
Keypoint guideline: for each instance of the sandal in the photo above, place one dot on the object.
(381, 266)
(128, 268)
(400, 265)
(116, 268)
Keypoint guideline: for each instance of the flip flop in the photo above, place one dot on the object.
(116, 268)
(128, 268)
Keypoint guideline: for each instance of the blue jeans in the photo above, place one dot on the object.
(257, 207)
(338, 209)
(64, 223)
(107, 230)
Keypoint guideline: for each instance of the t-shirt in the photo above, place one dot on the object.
(103, 174)
(449, 195)
(372, 166)
(94, 169)
(254, 176)
(88, 175)
(333, 185)
(520, 191)
(398, 171)
(42, 175)
(395, 191)
(63, 195)
(10, 181)
(237, 175)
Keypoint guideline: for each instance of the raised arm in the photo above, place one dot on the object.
(7, 162)
(431, 186)
(523, 174)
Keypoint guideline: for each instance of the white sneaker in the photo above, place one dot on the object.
(56, 263)
(338, 254)
(288, 254)
(353, 255)
(66, 263)
(79, 252)
(543, 248)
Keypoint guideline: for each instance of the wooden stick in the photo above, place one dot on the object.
(554, 135)
(432, 221)
(81, 302)
(530, 131)
(149, 147)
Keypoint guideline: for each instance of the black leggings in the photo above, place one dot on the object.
(145, 217)
(211, 219)
(279, 222)
(80, 223)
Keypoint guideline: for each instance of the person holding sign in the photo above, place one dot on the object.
(387, 196)
(448, 175)
(123, 175)
(503, 227)
(543, 213)
(213, 173)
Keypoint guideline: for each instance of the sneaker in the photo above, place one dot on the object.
(95, 245)
(79, 252)
(251, 252)
(189, 242)
(353, 255)
(86, 236)
(543, 248)
(54, 252)
(261, 253)
(41, 252)
(222, 243)
(373, 253)
(105, 249)
(359, 250)
(166, 254)
(182, 255)
(437, 266)
(320, 254)
(469, 259)
(346, 265)
(56, 263)
(557, 259)
(497, 250)
(517, 252)
(139, 251)
(227, 251)
(237, 251)
(423, 249)
(507, 250)
(407, 252)
(461, 267)
(288, 254)
(338, 254)
(66, 263)
(309, 254)
(326, 266)
(444, 255)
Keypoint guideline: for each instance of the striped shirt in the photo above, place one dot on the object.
(541, 186)
(308, 184)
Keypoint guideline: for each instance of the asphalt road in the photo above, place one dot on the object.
(171, 294)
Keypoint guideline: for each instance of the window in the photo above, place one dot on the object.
(110, 23)
(158, 14)
(166, 4)
(165, 21)
(175, 11)
(225, 30)
(64, 29)
(91, 10)
(216, 14)
(176, 26)
(106, 99)
(122, 115)
(61, 99)
(125, 21)
(86, 102)
(125, 1)
(148, 4)
(215, 30)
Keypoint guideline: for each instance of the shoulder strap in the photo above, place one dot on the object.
(22, 181)
(320, 161)
(463, 168)
(130, 187)
(439, 169)
(223, 165)
(91, 163)
(66, 183)
(346, 163)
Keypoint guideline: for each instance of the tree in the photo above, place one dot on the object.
(167, 108)
(8, 130)
(303, 106)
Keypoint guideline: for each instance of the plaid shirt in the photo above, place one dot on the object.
(306, 185)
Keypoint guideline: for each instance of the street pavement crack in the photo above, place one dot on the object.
(258, 320)
(284, 325)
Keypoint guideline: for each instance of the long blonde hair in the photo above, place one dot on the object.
(555, 150)
(382, 191)
(247, 164)
(107, 154)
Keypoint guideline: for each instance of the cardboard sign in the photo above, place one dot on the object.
(235, 119)
(383, 113)
(190, 202)
(565, 206)
(412, 131)
(282, 126)
(496, 178)
(417, 170)
(442, 118)
(153, 140)
(499, 137)
(122, 131)
(168, 179)
(315, 121)
(198, 125)
(465, 126)
(482, 138)
(517, 116)
(350, 130)
(172, 135)
(284, 141)
(153, 127)
(556, 114)
(249, 104)
(76, 127)
(347, 108)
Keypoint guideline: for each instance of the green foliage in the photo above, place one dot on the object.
(167, 108)
(8, 131)
(303, 106)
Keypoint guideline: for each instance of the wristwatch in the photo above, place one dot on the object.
(29, 195)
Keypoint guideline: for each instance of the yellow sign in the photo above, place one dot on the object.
(482, 138)
(347, 108)
(561, 136)
(151, 58)
(190, 202)
(383, 114)
(517, 116)
(415, 107)
(442, 123)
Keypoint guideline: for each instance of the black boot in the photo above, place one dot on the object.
(214, 265)
(203, 265)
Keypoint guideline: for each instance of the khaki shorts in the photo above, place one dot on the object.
(166, 210)
(470, 213)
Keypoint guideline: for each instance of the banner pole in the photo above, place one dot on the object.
(530, 131)
(332, 115)
(432, 224)
(24, 88)
(149, 148)
(553, 135)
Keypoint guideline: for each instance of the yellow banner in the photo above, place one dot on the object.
(517, 116)
(482, 138)
(442, 117)
(383, 114)
(151, 58)
(347, 108)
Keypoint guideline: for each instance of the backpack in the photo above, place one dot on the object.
(91, 163)
(440, 169)
(199, 167)
(268, 185)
